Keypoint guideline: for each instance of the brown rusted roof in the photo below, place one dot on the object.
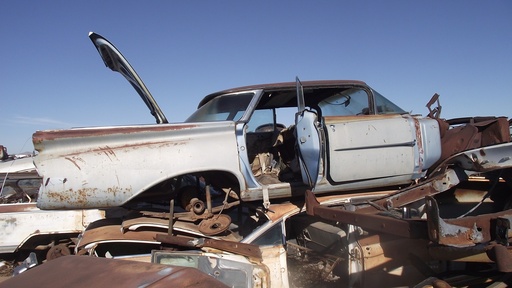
(83, 271)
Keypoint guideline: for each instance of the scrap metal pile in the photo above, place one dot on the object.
(347, 189)
(19, 181)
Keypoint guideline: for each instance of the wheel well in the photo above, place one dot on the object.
(168, 189)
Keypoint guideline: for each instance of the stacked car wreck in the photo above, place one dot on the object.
(25, 229)
(266, 185)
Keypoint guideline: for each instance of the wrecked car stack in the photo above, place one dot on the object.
(261, 181)
(26, 228)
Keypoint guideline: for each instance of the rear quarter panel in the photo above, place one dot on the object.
(106, 167)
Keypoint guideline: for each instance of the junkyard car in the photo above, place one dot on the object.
(222, 178)
(347, 137)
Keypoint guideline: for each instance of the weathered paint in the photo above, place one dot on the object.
(274, 258)
(52, 135)
(377, 223)
(368, 145)
(461, 232)
(101, 272)
(20, 222)
(485, 159)
(92, 171)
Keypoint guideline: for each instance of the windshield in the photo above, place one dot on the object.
(230, 107)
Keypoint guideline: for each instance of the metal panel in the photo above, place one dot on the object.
(309, 146)
(18, 225)
(431, 141)
(106, 167)
(80, 271)
(380, 147)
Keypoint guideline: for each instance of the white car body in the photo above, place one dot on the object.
(348, 137)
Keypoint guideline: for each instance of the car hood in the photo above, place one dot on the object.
(114, 60)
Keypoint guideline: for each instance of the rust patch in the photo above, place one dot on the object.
(461, 231)
(73, 161)
(384, 224)
(110, 150)
(17, 208)
(357, 118)
(419, 142)
(82, 197)
(82, 271)
(40, 136)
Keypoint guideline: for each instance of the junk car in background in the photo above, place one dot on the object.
(26, 229)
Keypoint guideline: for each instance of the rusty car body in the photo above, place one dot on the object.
(253, 132)
(318, 241)
(69, 271)
(289, 178)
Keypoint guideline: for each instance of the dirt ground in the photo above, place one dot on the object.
(310, 275)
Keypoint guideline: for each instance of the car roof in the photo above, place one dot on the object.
(284, 86)
(83, 271)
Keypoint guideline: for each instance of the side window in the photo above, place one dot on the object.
(272, 236)
(384, 106)
(345, 103)
(259, 119)
(286, 115)
(263, 117)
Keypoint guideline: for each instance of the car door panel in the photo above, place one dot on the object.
(369, 147)
(308, 139)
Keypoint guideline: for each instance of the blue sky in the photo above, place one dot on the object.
(53, 78)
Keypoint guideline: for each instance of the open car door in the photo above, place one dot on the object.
(308, 139)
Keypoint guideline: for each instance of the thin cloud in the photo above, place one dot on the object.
(38, 121)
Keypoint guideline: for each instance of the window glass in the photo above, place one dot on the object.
(286, 116)
(229, 107)
(384, 106)
(347, 102)
(272, 236)
(259, 119)
(264, 118)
